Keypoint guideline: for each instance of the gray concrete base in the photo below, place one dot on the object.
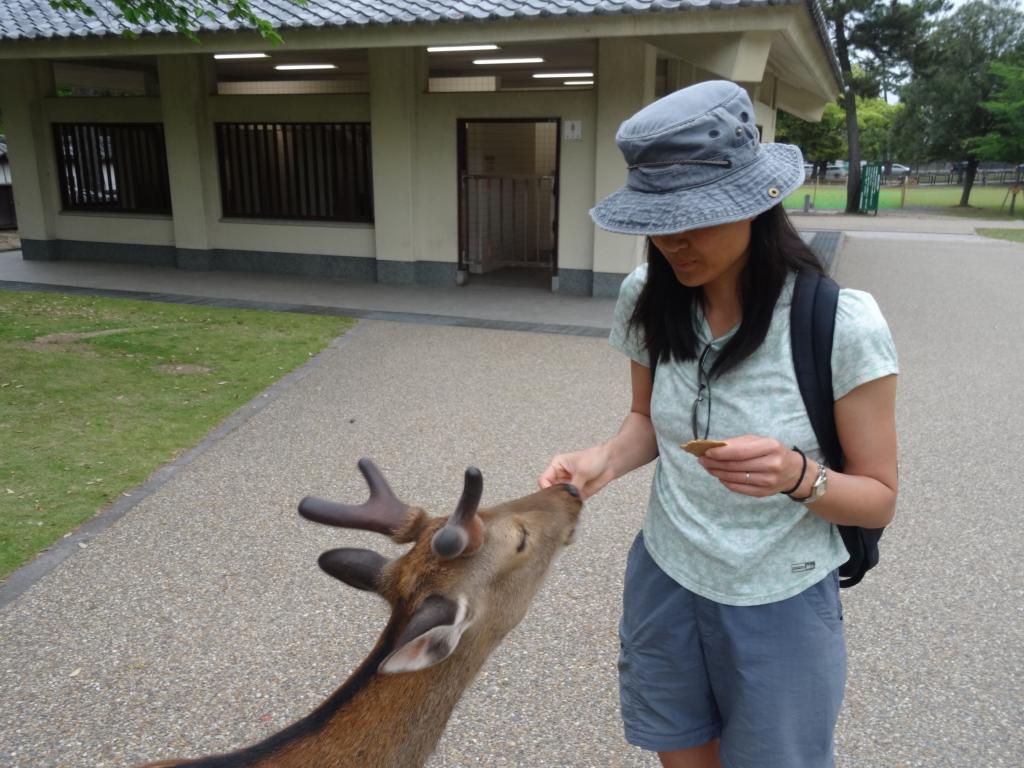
(576, 282)
(416, 272)
(607, 284)
(79, 250)
(38, 250)
(193, 259)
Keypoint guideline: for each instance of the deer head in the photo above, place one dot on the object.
(471, 575)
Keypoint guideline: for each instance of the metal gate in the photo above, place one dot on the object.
(507, 220)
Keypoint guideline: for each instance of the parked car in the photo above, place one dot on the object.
(899, 170)
(836, 172)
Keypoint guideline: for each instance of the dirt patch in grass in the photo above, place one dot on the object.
(68, 338)
(182, 368)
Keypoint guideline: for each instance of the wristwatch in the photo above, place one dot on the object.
(819, 487)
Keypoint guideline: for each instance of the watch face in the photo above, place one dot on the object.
(820, 484)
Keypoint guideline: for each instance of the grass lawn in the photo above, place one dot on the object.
(1013, 235)
(95, 394)
(985, 201)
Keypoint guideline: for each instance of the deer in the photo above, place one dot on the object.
(463, 585)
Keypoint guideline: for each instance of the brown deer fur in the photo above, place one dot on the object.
(393, 709)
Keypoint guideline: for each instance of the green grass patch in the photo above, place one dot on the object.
(1013, 235)
(986, 202)
(95, 394)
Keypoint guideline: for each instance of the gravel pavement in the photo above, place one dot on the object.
(199, 621)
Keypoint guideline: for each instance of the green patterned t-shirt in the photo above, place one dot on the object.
(722, 545)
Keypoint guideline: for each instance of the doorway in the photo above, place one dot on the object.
(508, 201)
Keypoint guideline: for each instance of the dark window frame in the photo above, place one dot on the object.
(112, 167)
(295, 171)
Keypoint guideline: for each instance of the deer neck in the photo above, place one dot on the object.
(373, 721)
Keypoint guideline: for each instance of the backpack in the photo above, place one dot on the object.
(812, 321)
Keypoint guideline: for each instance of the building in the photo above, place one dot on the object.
(390, 161)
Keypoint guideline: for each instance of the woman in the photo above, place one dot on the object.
(732, 649)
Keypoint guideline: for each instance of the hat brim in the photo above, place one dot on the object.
(743, 194)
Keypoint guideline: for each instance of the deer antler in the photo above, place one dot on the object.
(382, 513)
(463, 533)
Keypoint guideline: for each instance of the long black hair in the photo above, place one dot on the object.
(664, 311)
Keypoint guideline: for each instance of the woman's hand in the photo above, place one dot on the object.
(589, 470)
(755, 466)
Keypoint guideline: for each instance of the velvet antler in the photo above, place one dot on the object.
(463, 533)
(383, 512)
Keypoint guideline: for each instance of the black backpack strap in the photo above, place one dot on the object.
(812, 324)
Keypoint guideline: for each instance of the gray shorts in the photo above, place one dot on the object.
(766, 679)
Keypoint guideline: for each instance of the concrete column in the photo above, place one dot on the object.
(23, 86)
(625, 84)
(185, 82)
(394, 87)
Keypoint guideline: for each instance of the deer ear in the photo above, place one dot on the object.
(359, 568)
(431, 636)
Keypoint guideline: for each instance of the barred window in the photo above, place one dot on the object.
(313, 171)
(118, 167)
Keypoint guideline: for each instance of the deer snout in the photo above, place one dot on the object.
(574, 506)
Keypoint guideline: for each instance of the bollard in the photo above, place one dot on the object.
(807, 203)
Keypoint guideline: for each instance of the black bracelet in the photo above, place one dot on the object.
(802, 472)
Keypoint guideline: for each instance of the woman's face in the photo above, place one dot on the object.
(701, 256)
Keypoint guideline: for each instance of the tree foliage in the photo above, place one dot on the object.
(1005, 138)
(185, 16)
(954, 77)
(825, 141)
(820, 142)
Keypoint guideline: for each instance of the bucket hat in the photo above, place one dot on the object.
(695, 160)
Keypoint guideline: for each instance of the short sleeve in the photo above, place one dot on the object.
(629, 341)
(862, 346)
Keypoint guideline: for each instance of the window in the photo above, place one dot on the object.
(117, 167)
(306, 171)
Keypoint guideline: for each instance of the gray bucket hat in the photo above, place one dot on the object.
(695, 160)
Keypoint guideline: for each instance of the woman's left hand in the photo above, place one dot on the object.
(754, 465)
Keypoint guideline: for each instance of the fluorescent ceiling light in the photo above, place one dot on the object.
(454, 48)
(509, 61)
(563, 75)
(240, 56)
(304, 66)
(578, 82)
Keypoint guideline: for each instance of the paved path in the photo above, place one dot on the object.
(199, 621)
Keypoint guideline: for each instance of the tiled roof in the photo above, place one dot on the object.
(34, 19)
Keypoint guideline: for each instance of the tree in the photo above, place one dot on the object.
(943, 101)
(889, 37)
(875, 118)
(184, 15)
(1005, 139)
(884, 37)
(820, 142)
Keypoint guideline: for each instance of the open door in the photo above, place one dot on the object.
(508, 201)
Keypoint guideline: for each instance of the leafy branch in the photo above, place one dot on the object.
(186, 16)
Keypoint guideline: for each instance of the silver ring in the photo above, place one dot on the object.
(748, 478)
